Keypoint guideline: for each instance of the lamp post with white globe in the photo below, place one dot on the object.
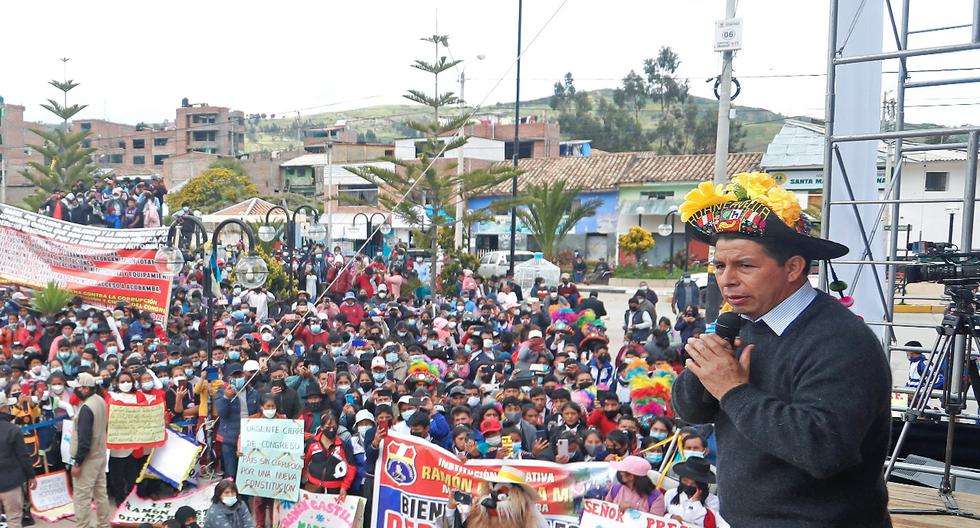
(316, 232)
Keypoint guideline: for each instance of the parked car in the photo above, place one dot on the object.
(497, 263)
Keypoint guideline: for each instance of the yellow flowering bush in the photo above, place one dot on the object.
(637, 241)
(704, 195)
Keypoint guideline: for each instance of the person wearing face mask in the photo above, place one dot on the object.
(124, 464)
(592, 444)
(686, 293)
(227, 509)
(601, 367)
(287, 399)
(329, 461)
(634, 488)
(231, 409)
(605, 418)
(691, 501)
(396, 359)
(15, 466)
(88, 452)
(512, 415)
(353, 311)
(186, 517)
(261, 506)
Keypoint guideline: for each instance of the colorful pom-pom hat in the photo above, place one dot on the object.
(754, 206)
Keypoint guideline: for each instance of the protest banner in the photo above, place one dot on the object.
(319, 510)
(271, 463)
(601, 514)
(136, 510)
(51, 498)
(102, 266)
(133, 426)
(174, 461)
(413, 480)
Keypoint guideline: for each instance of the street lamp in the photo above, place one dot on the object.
(317, 232)
(369, 234)
(666, 229)
(951, 210)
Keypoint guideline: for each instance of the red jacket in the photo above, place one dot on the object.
(331, 468)
(354, 313)
(599, 420)
(364, 282)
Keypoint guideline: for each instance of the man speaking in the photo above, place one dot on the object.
(801, 406)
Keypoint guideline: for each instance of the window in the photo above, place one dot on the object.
(204, 118)
(115, 158)
(359, 194)
(121, 144)
(159, 142)
(524, 152)
(422, 146)
(85, 143)
(139, 143)
(158, 159)
(937, 181)
(204, 135)
(486, 259)
(86, 126)
(139, 160)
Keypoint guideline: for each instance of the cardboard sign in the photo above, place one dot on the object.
(318, 510)
(102, 266)
(136, 510)
(600, 514)
(133, 426)
(413, 480)
(174, 461)
(51, 499)
(271, 464)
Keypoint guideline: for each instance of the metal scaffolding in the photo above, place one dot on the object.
(892, 198)
(893, 195)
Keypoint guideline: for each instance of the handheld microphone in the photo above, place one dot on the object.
(728, 325)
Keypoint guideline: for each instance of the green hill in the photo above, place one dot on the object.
(386, 122)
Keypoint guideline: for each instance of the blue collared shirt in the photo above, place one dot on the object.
(779, 318)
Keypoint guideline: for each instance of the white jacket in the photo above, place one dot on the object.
(693, 512)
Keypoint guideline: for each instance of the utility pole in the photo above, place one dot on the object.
(714, 299)
(517, 141)
(329, 196)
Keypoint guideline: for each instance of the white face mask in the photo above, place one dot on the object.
(125, 386)
(229, 501)
(363, 430)
(266, 337)
(473, 401)
(57, 389)
(269, 413)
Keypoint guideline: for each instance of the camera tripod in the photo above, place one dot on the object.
(950, 357)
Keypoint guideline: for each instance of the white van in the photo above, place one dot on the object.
(497, 263)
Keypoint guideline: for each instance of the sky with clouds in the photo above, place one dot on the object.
(136, 60)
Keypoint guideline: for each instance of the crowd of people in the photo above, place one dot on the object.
(492, 372)
(123, 203)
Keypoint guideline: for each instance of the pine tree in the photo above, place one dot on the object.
(432, 194)
(66, 161)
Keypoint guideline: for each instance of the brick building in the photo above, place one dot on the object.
(15, 136)
(197, 128)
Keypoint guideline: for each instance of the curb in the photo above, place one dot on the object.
(919, 308)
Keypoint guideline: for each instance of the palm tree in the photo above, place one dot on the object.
(551, 213)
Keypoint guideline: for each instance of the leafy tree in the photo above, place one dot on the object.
(633, 95)
(231, 164)
(371, 137)
(661, 78)
(564, 94)
(551, 213)
(431, 193)
(213, 189)
(692, 130)
(457, 262)
(619, 130)
(637, 241)
(66, 161)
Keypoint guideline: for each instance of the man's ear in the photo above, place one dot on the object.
(796, 267)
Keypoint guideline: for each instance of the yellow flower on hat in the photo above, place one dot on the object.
(755, 184)
(783, 203)
(704, 195)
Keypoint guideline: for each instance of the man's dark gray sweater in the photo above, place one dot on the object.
(803, 443)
